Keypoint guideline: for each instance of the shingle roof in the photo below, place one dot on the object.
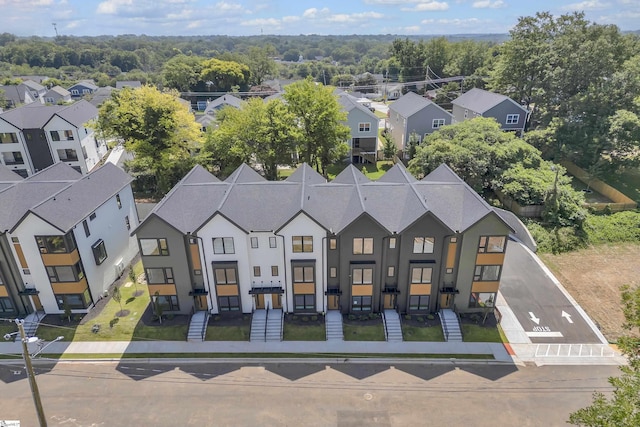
(244, 173)
(409, 104)
(349, 103)
(398, 173)
(128, 83)
(7, 175)
(36, 115)
(306, 174)
(480, 100)
(59, 90)
(78, 113)
(33, 85)
(222, 101)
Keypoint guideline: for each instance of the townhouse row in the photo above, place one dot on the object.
(64, 237)
(307, 245)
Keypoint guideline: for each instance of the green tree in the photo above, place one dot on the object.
(261, 63)
(622, 409)
(117, 296)
(389, 148)
(182, 72)
(157, 128)
(225, 74)
(321, 122)
(413, 142)
(157, 307)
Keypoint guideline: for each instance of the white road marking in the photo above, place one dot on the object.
(567, 316)
(534, 318)
(545, 334)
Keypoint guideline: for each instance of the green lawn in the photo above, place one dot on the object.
(422, 333)
(294, 332)
(476, 333)
(228, 333)
(380, 114)
(353, 332)
(374, 172)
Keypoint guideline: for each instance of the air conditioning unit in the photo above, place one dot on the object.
(119, 266)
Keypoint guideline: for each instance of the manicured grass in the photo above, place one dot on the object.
(475, 333)
(228, 333)
(266, 356)
(294, 332)
(422, 333)
(380, 114)
(354, 332)
(285, 173)
(7, 328)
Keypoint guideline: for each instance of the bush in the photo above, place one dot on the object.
(557, 239)
(351, 317)
(314, 318)
(373, 315)
(420, 319)
(407, 316)
(430, 316)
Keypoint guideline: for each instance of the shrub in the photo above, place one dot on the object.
(407, 316)
(617, 227)
(430, 316)
(373, 315)
(420, 319)
(351, 317)
(314, 318)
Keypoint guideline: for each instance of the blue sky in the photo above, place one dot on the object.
(253, 17)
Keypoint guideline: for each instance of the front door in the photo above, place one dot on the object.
(389, 301)
(36, 302)
(259, 301)
(333, 302)
(276, 301)
(201, 303)
(446, 300)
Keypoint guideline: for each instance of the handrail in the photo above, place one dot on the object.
(204, 326)
(384, 323)
(281, 325)
(266, 322)
(444, 326)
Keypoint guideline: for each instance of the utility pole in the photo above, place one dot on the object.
(55, 28)
(32, 378)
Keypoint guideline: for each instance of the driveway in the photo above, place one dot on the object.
(545, 312)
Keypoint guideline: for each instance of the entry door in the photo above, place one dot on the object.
(445, 300)
(36, 302)
(259, 301)
(389, 301)
(276, 301)
(201, 303)
(333, 302)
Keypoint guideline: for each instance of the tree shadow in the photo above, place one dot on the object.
(138, 293)
(123, 313)
(130, 300)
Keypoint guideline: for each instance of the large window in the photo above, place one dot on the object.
(55, 136)
(362, 276)
(230, 303)
(73, 301)
(225, 276)
(419, 302)
(513, 119)
(304, 302)
(154, 247)
(6, 306)
(167, 302)
(65, 273)
(487, 273)
(302, 243)
(99, 252)
(67, 155)
(362, 245)
(223, 245)
(13, 158)
(482, 299)
(68, 135)
(492, 244)
(437, 123)
(56, 244)
(423, 245)
(8, 138)
(361, 303)
(421, 275)
(303, 274)
(364, 127)
(254, 243)
(159, 276)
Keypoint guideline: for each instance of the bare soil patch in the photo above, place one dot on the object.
(593, 276)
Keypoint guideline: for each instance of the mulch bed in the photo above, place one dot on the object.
(229, 319)
(362, 319)
(420, 320)
(476, 319)
(304, 319)
(61, 320)
(168, 319)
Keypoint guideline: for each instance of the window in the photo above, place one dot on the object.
(118, 201)
(362, 276)
(484, 273)
(513, 119)
(391, 271)
(154, 247)
(362, 245)
(333, 243)
(303, 274)
(49, 100)
(356, 142)
(197, 272)
(75, 92)
(333, 272)
(223, 245)
(67, 155)
(254, 242)
(26, 271)
(86, 91)
(15, 240)
(5, 305)
(167, 302)
(8, 138)
(392, 243)
(304, 302)
(419, 302)
(230, 303)
(449, 271)
(421, 275)
(13, 158)
(85, 225)
(127, 223)
(272, 242)
(274, 270)
(482, 299)
(73, 301)
(361, 303)
(68, 135)
(160, 275)
(99, 251)
(423, 245)
(56, 244)
(466, 113)
(65, 273)
(437, 123)
(302, 243)
(256, 271)
(225, 276)
(92, 216)
(84, 153)
(364, 127)
(492, 244)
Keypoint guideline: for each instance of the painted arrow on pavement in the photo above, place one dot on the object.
(536, 319)
(567, 316)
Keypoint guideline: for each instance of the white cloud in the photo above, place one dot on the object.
(315, 12)
(427, 6)
(223, 6)
(488, 4)
(396, 2)
(290, 19)
(587, 5)
(414, 29)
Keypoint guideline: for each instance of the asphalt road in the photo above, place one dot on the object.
(538, 303)
(221, 394)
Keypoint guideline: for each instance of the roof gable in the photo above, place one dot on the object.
(398, 173)
(480, 100)
(409, 104)
(306, 174)
(350, 175)
(244, 173)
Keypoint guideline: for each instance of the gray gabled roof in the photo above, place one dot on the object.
(33, 85)
(59, 90)
(351, 175)
(36, 115)
(480, 100)
(306, 174)
(244, 173)
(128, 83)
(101, 95)
(56, 172)
(199, 175)
(7, 175)
(410, 103)
(85, 83)
(224, 100)
(398, 173)
(78, 113)
(349, 103)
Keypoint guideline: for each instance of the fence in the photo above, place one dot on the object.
(530, 211)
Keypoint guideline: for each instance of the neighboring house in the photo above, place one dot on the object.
(64, 238)
(101, 95)
(57, 95)
(392, 91)
(34, 137)
(82, 88)
(16, 95)
(363, 143)
(132, 84)
(477, 102)
(205, 121)
(413, 113)
(38, 79)
(37, 90)
(307, 246)
(225, 100)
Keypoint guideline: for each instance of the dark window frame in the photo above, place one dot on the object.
(160, 241)
(99, 252)
(301, 244)
(167, 275)
(228, 245)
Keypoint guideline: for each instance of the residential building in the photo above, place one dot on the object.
(478, 102)
(101, 95)
(37, 90)
(64, 237)
(57, 95)
(82, 88)
(415, 114)
(128, 83)
(363, 142)
(16, 95)
(307, 246)
(225, 100)
(35, 136)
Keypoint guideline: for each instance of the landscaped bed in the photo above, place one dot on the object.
(229, 327)
(364, 327)
(302, 327)
(476, 328)
(422, 328)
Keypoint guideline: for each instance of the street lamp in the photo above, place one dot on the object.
(29, 367)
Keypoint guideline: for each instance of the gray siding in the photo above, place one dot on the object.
(500, 111)
(422, 121)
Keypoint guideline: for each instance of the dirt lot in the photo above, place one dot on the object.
(593, 277)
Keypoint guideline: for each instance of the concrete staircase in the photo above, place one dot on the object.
(198, 326)
(333, 325)
(392, 328)
(258, 325)
(450, 325)
(274, 325)
(31, 323)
